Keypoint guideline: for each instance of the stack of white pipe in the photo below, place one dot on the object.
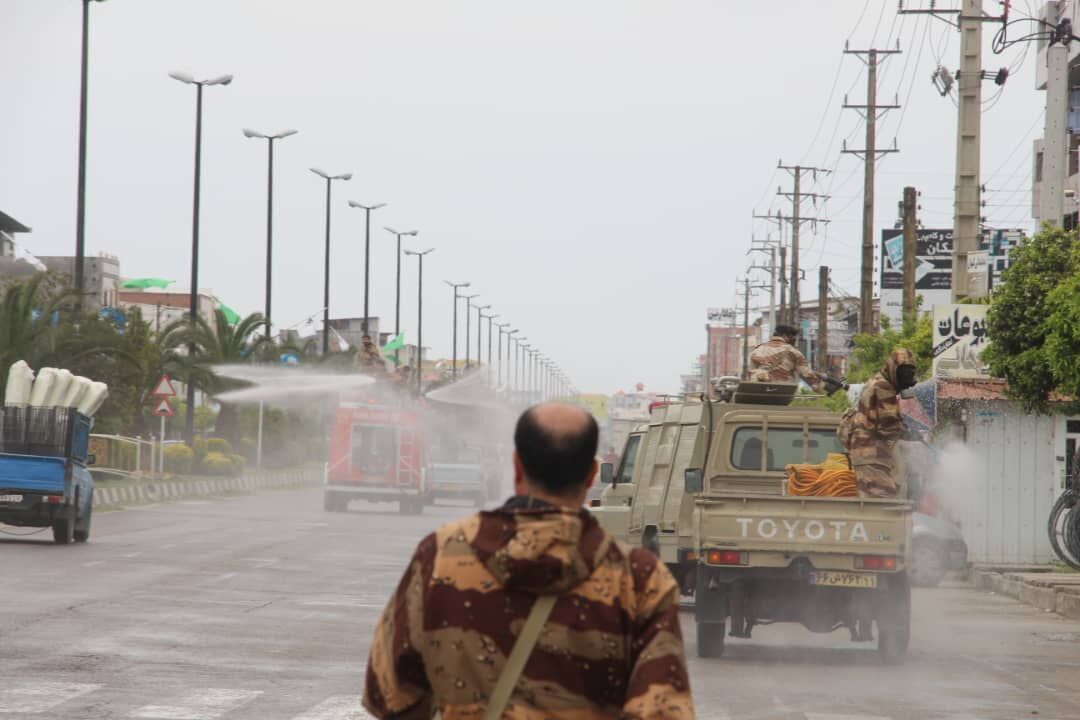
(53, 387)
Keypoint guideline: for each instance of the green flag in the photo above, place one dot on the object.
(143, 283)
(395, 344)
(230, 315)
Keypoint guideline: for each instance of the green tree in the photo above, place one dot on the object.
(1033, 321)
(872, 351)
(38, 326)
(221, 344)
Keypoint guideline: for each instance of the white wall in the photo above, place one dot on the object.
(1018, 464)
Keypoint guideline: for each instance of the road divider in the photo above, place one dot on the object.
(155, 491)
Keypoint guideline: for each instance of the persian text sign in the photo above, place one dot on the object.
(959, 339)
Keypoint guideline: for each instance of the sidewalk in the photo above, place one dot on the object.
(154, 491)
(1036, 585)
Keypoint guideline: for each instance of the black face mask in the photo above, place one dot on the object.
(905, 377)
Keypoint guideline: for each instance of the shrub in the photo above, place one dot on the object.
(249, 448)
(199, 446)
(238, 463)
(218, 445)
(217, 464)
(179, 458)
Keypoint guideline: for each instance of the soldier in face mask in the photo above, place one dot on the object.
(869, 431)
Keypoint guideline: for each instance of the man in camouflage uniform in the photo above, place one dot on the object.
(368, 358)
(612, 646)
(869, 430)
(779, 361)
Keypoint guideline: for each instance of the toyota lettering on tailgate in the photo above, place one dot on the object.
(837, 530)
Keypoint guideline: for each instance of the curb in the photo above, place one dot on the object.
(1049, 591)
(152, 491)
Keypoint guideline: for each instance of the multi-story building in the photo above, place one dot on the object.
(162, 307)
(101, 277)
(724, 349)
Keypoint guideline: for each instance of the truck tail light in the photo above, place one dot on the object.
(54, 499)
(727, 557)
(875, 562)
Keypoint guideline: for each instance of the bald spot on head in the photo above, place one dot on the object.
(556, 446)
(562, 423)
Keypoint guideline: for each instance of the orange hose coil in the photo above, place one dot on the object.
(832, 478)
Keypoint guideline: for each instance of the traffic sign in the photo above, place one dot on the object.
(164, 388)
(163, 409)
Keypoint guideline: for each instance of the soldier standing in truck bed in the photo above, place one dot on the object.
(779, 361)
(869, 430)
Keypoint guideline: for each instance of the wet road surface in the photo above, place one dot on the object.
(261, 607)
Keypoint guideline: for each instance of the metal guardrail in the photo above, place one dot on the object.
(122, 455)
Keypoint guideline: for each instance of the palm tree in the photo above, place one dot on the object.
(34, 327)
(222, 344)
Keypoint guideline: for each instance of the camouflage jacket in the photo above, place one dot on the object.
(612, 647)
(869, 430)
(779, 361)
(369, 358)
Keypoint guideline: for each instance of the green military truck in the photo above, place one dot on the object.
(707, 493)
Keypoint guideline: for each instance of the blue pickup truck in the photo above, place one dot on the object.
(43, 477)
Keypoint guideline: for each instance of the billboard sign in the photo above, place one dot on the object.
(959, 339)
(933, 267)
(933, 270)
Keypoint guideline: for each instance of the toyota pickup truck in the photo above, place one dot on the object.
(44, 481)
(709, 498)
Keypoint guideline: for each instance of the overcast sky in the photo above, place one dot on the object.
(590, 165)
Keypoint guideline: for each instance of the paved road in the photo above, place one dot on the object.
(261, 607)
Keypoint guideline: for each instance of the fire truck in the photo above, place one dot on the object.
(378, 453)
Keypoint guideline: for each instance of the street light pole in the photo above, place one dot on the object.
(269, 209)
(326, 258)
(456, 287)
(80, 207)
(397, 291)
(480, 330)
(509, 333)
(468, 320)
(189, 416)
(491, 375)
(368, 209)
(420, 317)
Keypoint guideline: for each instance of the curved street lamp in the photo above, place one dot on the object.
(248, 133)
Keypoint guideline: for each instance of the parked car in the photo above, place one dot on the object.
(936, 548)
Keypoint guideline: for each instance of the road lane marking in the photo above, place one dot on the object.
(833, 716)
(338, 707)
(41, 697)
(205, 704)
(93, 563)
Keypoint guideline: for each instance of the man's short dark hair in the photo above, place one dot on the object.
(786, 331)
(559, 462)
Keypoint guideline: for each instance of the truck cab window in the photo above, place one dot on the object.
(626, 467)
(786, 446)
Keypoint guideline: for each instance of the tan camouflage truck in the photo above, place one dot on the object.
(708, 495)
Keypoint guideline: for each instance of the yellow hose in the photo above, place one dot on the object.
(832, 478)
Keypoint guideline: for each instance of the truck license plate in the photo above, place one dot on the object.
(843, 579)
(10, 498)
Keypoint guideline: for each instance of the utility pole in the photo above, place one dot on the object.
(909, 255)
(823, 320)
(870, 153)
(746, 330)
(778, 218)
(761, 246)
(1055, 135)
(797, 196)
(967, 202)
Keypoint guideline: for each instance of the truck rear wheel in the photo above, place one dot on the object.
(710, 639)
(893, 618)
(63, 530)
